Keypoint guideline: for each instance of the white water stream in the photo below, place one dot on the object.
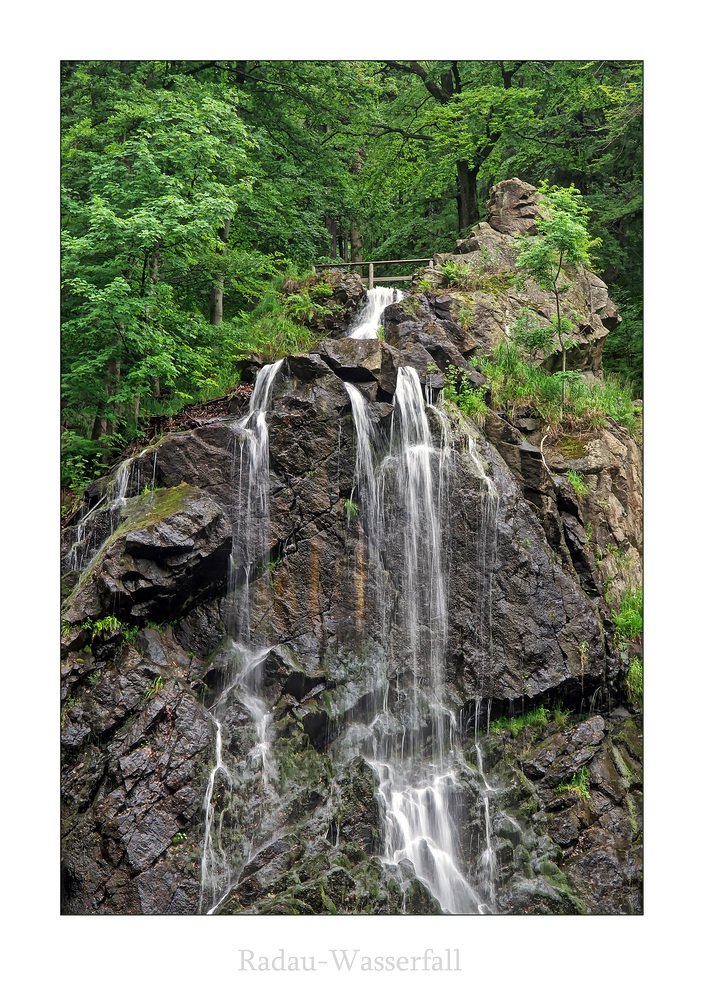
(409, 742)
(366, 324)
(243, 797)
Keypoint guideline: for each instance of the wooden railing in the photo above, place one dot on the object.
(371, 263)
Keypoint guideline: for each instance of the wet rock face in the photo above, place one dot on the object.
(136, 741)
(584, 784)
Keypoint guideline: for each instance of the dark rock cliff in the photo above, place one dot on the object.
(146, 631)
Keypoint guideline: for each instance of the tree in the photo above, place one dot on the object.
(562, 241)
(150, 183)
(474, 110)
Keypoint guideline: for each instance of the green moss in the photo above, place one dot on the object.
(572, 446)
(621, 766)
(579, 783)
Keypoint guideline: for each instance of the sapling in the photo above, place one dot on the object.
(562, 240)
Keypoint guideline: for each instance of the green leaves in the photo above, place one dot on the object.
(562, 239)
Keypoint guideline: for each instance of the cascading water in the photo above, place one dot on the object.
(409, 741)
(251, 492)
(240, 800)
(407, 729)
(366, 324)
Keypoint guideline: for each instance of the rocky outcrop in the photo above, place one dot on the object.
(147, 646)
(492, 301)
(167, 544)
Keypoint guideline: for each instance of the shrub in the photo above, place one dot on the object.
(578, 784)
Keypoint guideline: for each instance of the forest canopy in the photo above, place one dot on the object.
(187, 187)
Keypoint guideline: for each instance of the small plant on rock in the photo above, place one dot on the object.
(579, 784)
(458, 389)
(629, 618)
(154, 688)
(578, 483)
(634, 681)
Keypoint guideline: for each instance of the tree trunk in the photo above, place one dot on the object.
(331, 226)
(100, 427)
(355, 244)
(114, 372)
(467, 202)
(355, 236)
(560, 338)
(217, 289)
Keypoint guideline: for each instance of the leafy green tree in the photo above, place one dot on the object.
(151, 179)
(562, 241)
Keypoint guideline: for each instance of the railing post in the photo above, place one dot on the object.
(371, 275)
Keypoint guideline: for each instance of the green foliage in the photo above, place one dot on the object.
(579, 784)
(561, 716)
(514, 383)
(562, 241)
(321, 291)
(106, 625)
(537, 718)
(351, 508)
(634, 681)
(276, 326)
(154, 688)
(475, 274)
(301, 308)
(576, 479)
(629, 618)
(457, 389)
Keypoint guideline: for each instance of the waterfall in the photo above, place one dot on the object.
(407, 727)
(367, 322)
(250, 546)
(243, 797)
(409, 740)
(98, 523)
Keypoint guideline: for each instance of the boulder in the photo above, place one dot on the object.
(171, 545)
(513, 207)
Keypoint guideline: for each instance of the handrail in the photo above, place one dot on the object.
(370, 264)
(355, 263)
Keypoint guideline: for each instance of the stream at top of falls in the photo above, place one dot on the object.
(407, 729)
(366, 324)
